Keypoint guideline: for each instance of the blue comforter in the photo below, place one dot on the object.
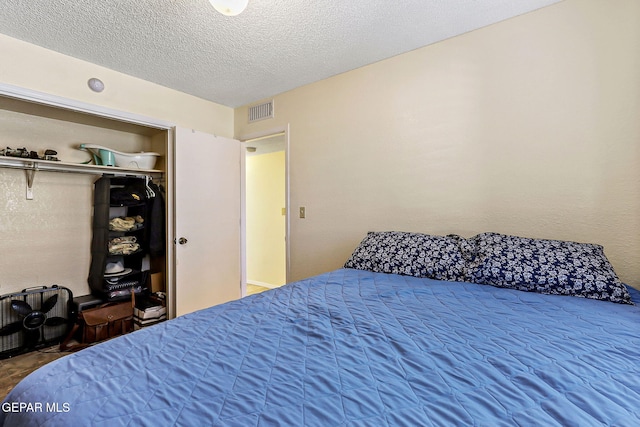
(355, 348)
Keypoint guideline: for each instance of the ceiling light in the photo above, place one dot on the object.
(95, 84)
(229, 7)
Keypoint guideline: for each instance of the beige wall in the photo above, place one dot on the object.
(46, 71)
(46, 240)
(530, 126)
(265, 199)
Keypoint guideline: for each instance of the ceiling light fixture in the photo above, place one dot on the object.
(95, 84)
(229, 7)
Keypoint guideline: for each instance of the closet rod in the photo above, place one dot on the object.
(53, 166)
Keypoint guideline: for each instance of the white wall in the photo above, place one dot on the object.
(529, 127)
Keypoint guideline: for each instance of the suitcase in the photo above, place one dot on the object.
(34, 318)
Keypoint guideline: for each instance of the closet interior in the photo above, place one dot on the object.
(48, 207)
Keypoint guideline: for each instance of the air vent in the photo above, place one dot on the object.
(261, 111)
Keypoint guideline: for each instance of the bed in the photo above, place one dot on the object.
(376, 343)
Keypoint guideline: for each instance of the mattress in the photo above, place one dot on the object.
(355, 348)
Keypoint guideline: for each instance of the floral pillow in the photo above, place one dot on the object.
(411, 254)
(545, 266)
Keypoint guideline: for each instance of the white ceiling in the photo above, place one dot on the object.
(272, 47)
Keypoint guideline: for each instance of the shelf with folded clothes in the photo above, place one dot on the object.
(124, 246)
(125, 194)
(125, 223)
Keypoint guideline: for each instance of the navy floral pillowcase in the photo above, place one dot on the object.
(535, 265)
(410, 254)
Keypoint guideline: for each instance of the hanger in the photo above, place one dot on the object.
(150, 193)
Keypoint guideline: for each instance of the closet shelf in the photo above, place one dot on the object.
(31, 166)
(55, 166)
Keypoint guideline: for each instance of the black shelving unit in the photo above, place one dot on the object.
(120, 260)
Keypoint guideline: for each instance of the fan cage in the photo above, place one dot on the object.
(17, 343)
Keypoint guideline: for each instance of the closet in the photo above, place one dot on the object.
(48, 207)
(46, 217)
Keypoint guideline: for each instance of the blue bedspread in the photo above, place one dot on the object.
(355, 348)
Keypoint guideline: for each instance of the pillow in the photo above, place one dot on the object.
(411, 254)
(545, 266)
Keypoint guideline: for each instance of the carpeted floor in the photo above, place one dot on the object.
(16, 368)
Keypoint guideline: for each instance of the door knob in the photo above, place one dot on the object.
(182, 240)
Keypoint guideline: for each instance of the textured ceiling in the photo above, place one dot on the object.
(272, 47)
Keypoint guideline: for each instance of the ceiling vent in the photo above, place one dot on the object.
(261, 111)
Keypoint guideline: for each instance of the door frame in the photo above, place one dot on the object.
(244, 139)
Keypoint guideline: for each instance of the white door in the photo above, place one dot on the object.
(207, 220)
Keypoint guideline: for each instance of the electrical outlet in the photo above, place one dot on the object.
(303, 212)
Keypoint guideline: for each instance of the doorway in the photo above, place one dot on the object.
(265, 212)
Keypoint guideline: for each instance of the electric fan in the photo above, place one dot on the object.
(32, 319)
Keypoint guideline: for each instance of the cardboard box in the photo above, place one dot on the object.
(156, 282)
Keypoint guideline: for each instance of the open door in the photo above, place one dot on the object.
(207, 220)
(265, 217)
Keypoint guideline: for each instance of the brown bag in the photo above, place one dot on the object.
(106, 322)
(99, 323)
